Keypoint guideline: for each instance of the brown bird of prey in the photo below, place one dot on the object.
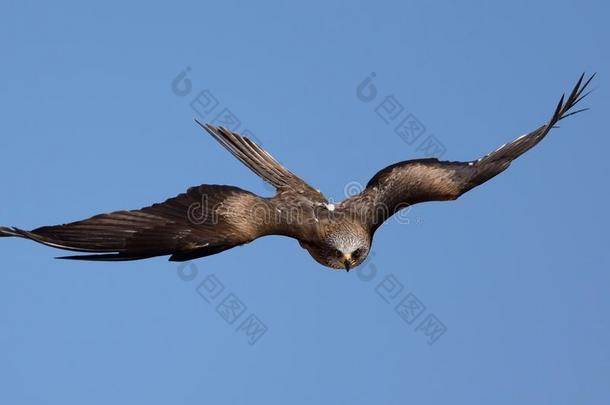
(209, 219)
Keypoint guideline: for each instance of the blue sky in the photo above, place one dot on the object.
(514, 275)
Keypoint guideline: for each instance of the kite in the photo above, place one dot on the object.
(209, 219)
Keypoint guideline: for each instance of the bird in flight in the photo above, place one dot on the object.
(209, 219)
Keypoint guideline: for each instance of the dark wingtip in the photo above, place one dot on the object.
(576, 95)
(9, 231)
(111, 257)
(206, 125)
(575, 112)
(589, 79)
(76, 257)
(209, 128)
(201, 124)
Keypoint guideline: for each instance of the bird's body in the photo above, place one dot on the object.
(209, 219)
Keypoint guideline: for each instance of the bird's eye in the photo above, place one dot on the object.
(356, 253)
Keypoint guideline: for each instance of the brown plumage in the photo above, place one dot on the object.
(209, 219)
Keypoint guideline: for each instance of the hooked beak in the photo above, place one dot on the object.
(347, 262)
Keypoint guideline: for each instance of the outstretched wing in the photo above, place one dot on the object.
(414, 181)
(262, 163)
(203, 221)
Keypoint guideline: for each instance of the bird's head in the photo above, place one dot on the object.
(343, 248)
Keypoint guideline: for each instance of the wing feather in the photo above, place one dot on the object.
(262, 163)
(205, 220)
(414, 181)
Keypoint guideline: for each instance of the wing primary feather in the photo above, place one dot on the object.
(226, 140)
(414, 181)
(262, 163)
(115, 257)
(163, 229)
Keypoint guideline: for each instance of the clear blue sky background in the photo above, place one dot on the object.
(516, 270)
